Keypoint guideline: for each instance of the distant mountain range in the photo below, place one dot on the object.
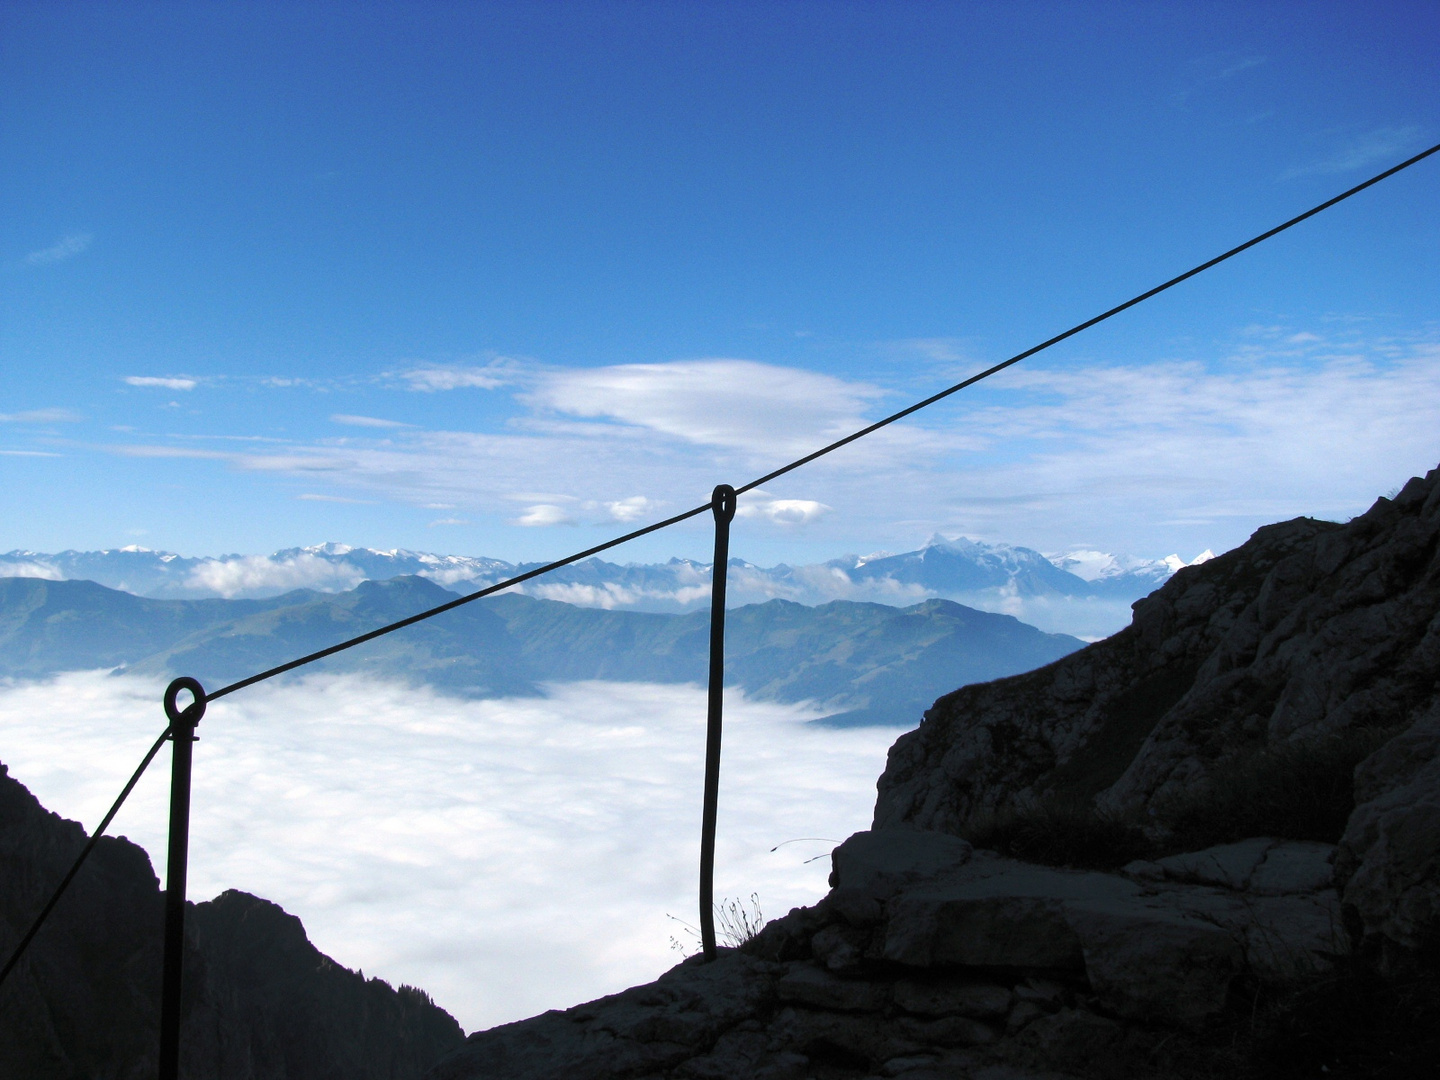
(866, 663)
(1081, 592)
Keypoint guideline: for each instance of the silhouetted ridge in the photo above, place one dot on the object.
(262, 1003)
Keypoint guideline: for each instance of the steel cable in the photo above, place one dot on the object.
(836, 445)
(84, 854)
(411, 620)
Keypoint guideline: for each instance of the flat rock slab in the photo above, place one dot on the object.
(1226, 866)
(996, 913)
(1294, 866)
(880, 862)
(1159, 951)
(1260, 866)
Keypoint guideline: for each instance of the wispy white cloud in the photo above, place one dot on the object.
(761, 504)
(1213, 68)
(543, 514)
(449, 521)
(1384, 145)
(31, 569)
(42, 416)
(308, 497)
(509, 856)
(162, 382)
(632, 509)
(259, 575)
(143, 450)
(65, 248)
(29, 453)
(367, 421)
(735, 404)
(1148, 458)
(491, 376)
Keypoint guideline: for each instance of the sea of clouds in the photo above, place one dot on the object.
(507, 856)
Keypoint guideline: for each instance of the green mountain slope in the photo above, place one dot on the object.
(869, 663)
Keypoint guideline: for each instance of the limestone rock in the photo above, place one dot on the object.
(880, 862)
(990, 964)
(1389, 858)
(1156, 963)
(1307, 629)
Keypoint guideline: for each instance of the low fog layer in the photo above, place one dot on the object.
(508, 856)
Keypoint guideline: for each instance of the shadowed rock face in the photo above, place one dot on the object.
(931, 959)
(1307, 630)
(261, 1002)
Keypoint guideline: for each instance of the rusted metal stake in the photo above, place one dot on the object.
(722, 505)
(182, 739)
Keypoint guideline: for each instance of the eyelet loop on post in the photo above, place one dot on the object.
(722, 502)
(192, 713)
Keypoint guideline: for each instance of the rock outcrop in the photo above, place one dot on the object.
(1310, 630)
(930, 959)
(261, 1003)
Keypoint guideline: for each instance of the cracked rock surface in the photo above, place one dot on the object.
(1309, 629)
(962, 964)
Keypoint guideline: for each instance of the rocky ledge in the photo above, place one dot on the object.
(930, 959)
(1309, 635)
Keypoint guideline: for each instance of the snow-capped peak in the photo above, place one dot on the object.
(1174, 562)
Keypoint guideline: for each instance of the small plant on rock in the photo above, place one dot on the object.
(735, 924)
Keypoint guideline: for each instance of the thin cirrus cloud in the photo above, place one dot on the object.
(1371, 148)
(367, 421)
(42, 416)
(446, 377)
(65, 248)
(311, 497)
(509, 856)
(544, 514)
(160, 382)
(1145, 458)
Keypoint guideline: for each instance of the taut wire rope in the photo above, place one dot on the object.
(706, 506)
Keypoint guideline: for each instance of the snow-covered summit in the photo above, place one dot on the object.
(1081, 591)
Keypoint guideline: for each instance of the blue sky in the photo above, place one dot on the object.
(504, 279)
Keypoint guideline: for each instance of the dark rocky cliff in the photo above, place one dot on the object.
(1308, 634)
(262, 1003)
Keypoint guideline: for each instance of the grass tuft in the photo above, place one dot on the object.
(735, 925)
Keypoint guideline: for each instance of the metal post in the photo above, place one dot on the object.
(722, 505)
(182, 739)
